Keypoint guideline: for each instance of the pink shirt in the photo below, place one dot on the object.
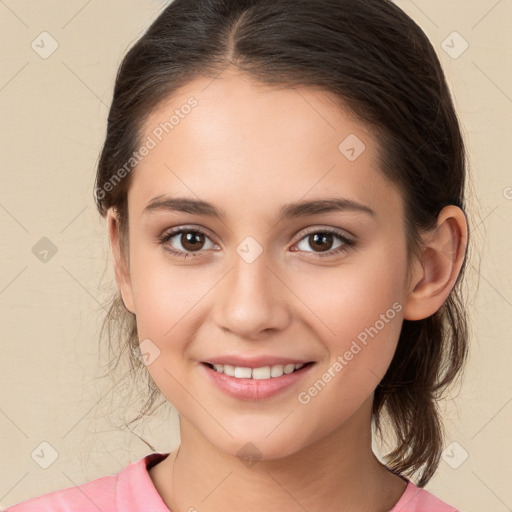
(132, 490)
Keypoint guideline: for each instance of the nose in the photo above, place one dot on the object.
(252, 298)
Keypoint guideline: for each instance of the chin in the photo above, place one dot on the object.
(260, 446)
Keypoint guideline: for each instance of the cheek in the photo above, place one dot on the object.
(161, 292)
(164, 299)
(346, 300)
(357, 310)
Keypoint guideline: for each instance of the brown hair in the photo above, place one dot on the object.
(381, 66)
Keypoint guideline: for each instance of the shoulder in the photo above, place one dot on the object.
(99, 494)
(124, 491)
(418, 499)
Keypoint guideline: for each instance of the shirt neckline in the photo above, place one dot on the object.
(135, 489)
(136, 479)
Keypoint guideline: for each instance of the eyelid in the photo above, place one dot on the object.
(170, 233)
(347, 243)
(314, 229)
(175, 230)
(343, 233)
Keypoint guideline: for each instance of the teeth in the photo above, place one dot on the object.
(276, 370)
(289, 368)
(264, 372)
(242, 373)
(260, 373)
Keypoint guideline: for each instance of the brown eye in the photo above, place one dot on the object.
(323, 243)
(192, 240)
(185, 242)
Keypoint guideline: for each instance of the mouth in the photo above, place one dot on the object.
(254, 381)
(259, 373)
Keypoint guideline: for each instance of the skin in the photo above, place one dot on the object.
(248, 150)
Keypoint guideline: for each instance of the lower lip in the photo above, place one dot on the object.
(255, 389)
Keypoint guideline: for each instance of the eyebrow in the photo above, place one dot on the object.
(288, 211)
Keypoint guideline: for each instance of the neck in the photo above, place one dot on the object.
(316, 478)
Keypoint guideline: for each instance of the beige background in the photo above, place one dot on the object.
(53, 119)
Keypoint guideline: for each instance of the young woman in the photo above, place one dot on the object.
(283, 184)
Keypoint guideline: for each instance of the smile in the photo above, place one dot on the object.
(262, 382)
(263, 372)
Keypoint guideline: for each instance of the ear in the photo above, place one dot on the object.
(442, 256)
(121, 267)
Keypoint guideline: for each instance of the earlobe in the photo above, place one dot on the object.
(442, 256)
(121, 269)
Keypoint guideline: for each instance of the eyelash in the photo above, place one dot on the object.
(347, 243)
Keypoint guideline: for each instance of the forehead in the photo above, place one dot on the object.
(232, 138)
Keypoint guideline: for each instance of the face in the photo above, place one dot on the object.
(264, 281)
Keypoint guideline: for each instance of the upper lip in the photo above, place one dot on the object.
(254, 361)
